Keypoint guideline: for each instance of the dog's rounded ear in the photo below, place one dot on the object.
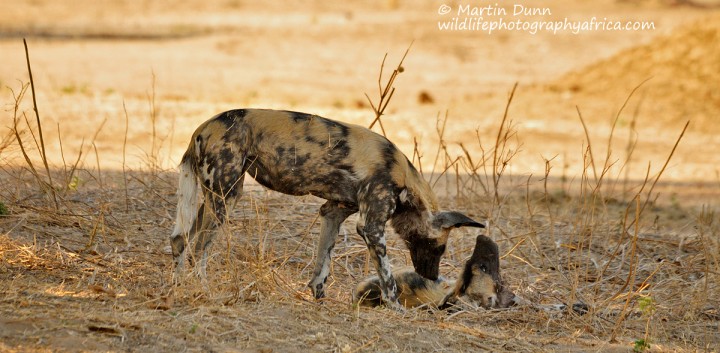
(452, 219)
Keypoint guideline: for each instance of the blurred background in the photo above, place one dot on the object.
(166, 67)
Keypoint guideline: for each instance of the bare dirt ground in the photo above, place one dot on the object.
(125, 83)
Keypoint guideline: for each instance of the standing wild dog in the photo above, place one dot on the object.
(480, 283)
(353, 168)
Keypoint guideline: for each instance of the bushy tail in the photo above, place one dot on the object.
(187, 197)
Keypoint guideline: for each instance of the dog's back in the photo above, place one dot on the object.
(299, 154)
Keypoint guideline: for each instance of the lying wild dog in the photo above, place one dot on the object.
(353, 168)
(480, 283)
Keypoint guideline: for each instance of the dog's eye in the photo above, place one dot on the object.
(483, 268)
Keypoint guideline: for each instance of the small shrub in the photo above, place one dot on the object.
(647, 305)
(641, 345)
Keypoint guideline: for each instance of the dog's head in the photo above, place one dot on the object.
(480, 281)
(427, 251)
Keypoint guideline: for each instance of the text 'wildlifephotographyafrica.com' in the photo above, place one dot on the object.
(523, 18)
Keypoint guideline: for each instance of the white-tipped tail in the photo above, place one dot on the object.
(187, 199)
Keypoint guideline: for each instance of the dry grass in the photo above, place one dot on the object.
(94, 273)
(62, 286)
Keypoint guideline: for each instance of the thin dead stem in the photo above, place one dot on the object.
(124, 153)
(662, 170)
(43, 154)
(499, 163)
(385, 92)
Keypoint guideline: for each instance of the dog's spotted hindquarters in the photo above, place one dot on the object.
(479, 284)
(353, 168)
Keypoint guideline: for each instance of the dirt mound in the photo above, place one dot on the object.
(683, 69)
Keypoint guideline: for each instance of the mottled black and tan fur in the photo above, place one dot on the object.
(353, 168)
(479, 284)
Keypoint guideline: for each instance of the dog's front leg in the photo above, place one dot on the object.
(371, 227)
(332, 214)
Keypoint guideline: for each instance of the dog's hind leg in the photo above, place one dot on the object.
(218, 204)
(214, 215)
(332, 214)
(222, 184)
